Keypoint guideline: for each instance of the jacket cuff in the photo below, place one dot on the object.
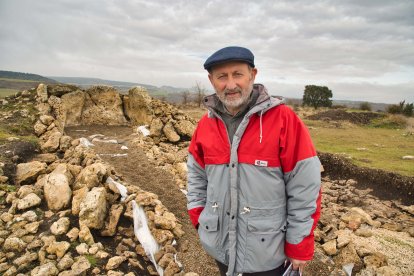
(301, 251)
(194, 215)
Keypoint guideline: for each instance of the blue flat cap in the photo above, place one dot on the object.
(232, 53)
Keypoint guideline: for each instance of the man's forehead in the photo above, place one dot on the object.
(229, 67)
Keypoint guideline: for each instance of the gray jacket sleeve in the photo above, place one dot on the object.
(197, 184)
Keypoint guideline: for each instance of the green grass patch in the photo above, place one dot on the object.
(379, 148)
(390, 122)
(92, 259)
(4, 92)
(7, 188)
(18, 80)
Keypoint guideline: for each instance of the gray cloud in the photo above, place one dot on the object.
(351, 46)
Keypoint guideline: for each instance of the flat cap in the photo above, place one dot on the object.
(232, 53)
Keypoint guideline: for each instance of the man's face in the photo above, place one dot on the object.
(233, 82)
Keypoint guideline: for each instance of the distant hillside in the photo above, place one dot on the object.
(12, 82)
(120, 85)
(24, 76)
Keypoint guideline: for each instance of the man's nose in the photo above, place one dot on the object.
(231, 84)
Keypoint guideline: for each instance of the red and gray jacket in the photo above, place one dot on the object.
(257, 200)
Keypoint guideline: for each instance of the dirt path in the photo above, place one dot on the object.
(135, 169)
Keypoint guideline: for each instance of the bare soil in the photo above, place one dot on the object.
(359, 118)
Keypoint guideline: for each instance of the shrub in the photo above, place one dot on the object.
(365, 106)
(391, 121)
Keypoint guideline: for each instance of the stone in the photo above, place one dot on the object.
(47, 158)
(30, 216)
(156, 127)
(29, 201)
(182, 170)
(85, 235)
(32, 227)
(375, 260)
(161, 235)
(91, 176)
(93, 209)
(47, 269)
(167, 221)
(103, 106)
(65, 142)
(72, 104)
(165, 260)
(184, 128)
(26, 173)
(60, 227)
(41, 92)
(355, 217)
(39, 128)
(25, 259)
(172, 269)
(81, 265)
(78, 196)
(82, 249)
(170, 133)
(52, 143)
(344, 238)
(73, 234)
(28, 189)
(14, 244)
(57, 189)
(349, 255)
(330, 247)
(58, 248)
(137, 106)
(6, 217)
(363, 232)
(66, 262)
(114, 216)
(114, 262)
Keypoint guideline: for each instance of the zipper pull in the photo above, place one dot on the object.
(215, 206)
(245, 210)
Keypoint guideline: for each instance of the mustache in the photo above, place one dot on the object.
(236, 90)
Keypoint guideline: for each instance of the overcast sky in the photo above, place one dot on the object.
(361, 50)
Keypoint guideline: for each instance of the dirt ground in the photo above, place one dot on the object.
(135, 169)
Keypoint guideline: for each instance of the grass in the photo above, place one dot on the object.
(379, 148)
(4, 92)
(18, 80)
(92, 259)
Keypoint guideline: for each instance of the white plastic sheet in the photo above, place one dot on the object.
(121, 188)
(143, 130)
(144, 235)
(85, 142)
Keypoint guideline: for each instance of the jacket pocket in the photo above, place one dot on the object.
(210, 236)
(264, 243)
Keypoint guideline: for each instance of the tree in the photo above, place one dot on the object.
(185, 95)
(408, 109)
(317, 96)
(200, 93)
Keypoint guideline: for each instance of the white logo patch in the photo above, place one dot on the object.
(260, 163)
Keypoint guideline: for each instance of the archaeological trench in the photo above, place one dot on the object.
(103, 156)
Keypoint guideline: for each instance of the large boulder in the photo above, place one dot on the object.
(103, 105)
(170, 133)
(73, 105)
(28, 172)
(137, 106)
(41, 92)
(57, 189)
(184, 128)
(93, 209)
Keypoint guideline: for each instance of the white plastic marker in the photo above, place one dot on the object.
(121, 188)
(144, 236)
(143, 130)
(85, 143)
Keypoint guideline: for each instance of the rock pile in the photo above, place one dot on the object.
(371, 236)
(72, 106)
(66, 216)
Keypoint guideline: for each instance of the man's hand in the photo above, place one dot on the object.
(298, 264)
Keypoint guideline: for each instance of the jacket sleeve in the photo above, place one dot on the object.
(301, 169)
(196, 180)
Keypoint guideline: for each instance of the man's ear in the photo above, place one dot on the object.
(254, 73)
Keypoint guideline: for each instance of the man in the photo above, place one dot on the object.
(253, 174)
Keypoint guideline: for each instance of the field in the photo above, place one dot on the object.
(4, 92)
(364, 145)
(379, 148)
